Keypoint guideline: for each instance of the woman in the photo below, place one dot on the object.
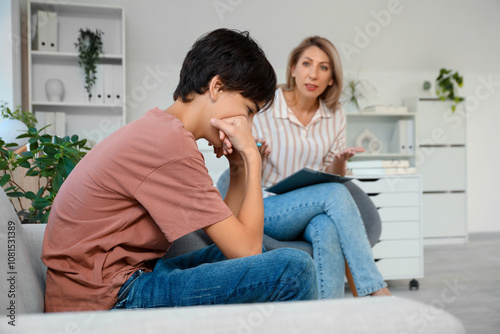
(305, 127)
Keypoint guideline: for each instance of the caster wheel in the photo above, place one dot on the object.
(413, 284)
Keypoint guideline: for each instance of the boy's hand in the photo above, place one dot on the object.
(234, 133)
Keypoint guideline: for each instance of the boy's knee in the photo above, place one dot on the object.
(300, 268)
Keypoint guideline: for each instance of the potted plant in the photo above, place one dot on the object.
(89, 46)
(49, 161)
(447, 84)
(353, 92)
(24, 116)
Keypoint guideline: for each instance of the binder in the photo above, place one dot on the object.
(108, 83)
(98, 88)
(410, 141)
(117, 85)
(56, 120)
(50, 119)
(52, 45)
(60, 124)
(399, 138)
(87, 98)
(41, 34)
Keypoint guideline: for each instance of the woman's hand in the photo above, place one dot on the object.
(348, 153)
(263, 147)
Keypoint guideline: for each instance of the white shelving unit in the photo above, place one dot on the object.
(441, 160)
(93, 121)
(383, 126)
(399, 253)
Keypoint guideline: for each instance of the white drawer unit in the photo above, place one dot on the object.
(440, 157)
(398, 198)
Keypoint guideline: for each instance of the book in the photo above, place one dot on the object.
(383, 171)
(303, 178)
(378, 164)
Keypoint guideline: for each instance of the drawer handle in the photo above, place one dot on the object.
(373, 194)
(368, 180)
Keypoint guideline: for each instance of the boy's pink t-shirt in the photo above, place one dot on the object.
(123, 205)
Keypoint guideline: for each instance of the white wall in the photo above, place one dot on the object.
(395, 45)
(10, 56)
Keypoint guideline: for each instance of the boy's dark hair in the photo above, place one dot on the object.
(238, 61)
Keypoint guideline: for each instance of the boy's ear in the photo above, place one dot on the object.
(215, 88)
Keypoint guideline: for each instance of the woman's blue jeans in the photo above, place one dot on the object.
(205, 277)
(326, 216)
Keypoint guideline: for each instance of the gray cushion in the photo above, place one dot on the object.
(27, 269)
(199, 239)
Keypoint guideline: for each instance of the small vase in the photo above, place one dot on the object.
(55, 90)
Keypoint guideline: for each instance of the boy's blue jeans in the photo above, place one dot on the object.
(205, 277)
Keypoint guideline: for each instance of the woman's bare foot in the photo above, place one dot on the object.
(381, 292)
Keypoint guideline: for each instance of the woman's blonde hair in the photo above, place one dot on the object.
(332, 93)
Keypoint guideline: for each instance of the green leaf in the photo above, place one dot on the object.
(25, 164)
(46, 139)
(4, 179)
(45, 217)
(50, 150)
(27, 154)
(45, 161)
(34, 146)
(69, 165)
(74, 138)
(40, 203)
(24, 135)
(57, 182)
(58, 140)
(40, 192)
(15, 194)
(3, 164)
(61, 170)
(30, 195)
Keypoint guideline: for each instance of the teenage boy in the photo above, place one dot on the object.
(146, 185)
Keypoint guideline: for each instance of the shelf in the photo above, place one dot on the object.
(69, 56)
(393, 156)
(56, 106)
(374, 114)
(93, 121)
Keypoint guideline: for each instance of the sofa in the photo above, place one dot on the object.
(23, 283)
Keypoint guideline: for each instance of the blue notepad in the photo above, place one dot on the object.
(303, 178)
